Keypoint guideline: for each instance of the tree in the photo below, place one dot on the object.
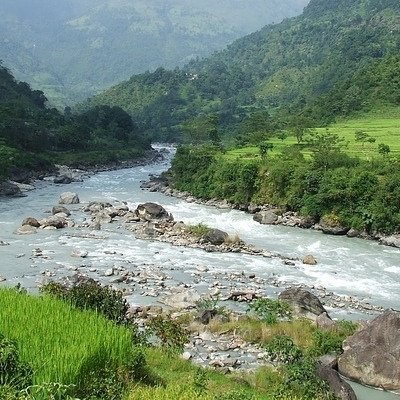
(325, 147)
(264, 147)
(362, 136)
(383, 149)
(299, 126)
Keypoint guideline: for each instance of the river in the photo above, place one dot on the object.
(348, 267)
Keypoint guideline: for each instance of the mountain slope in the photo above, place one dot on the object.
(284, 65)
(77, 48)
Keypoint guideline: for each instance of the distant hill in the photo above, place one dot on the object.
(315, 64)
(77, 48)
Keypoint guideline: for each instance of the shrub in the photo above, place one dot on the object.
(171, 332)
(13, 372)
(89, 294)
(270, 311)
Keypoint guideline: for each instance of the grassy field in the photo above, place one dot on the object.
(381, 125)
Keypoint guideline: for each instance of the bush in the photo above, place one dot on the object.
(171, 332)
(13, 372)
(270, 311)
(88, 294)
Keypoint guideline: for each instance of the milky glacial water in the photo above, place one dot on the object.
(349, 267)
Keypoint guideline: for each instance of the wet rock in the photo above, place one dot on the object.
(25, 230)
(309, 260)
(31, 221)
(62, 179)
(69, 198)
(10, 189)
(55, 221)
(60, 210)
(268, 217)
(393, 241)
(79, 253)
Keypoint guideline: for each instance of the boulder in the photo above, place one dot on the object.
(25, 230)
(60, 209)
(181, 298)
(54, 221)
(340, 387)
(304, 304)
(69, 198)
(332, 229)
(63, 179)
(372, 355)
(309, 260)
(152, 211)
(266, 217)
(392, 240)
(215, 236)
(9, 189)
(31, 221)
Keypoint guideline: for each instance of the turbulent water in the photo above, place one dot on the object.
(348, 267)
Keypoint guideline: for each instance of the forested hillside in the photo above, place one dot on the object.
(74, 49)
(33, 136)
(329, 51)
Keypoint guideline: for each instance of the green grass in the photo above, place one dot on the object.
(381, 124)
(61, 343)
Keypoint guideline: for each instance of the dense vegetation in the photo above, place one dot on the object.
(326, 184)
(34, 136)
(74, 49)
(333, 60)
(85, 346)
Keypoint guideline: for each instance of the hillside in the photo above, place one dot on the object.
(282, 66)
(33, 136)
(76, 49)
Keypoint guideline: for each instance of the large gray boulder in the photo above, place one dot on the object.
(152, 211)
(372, 355)
(10, 189)
(330, 228)
(69, 198)
(304, 304)
(215, 236)
(268, 217)
(181, 298)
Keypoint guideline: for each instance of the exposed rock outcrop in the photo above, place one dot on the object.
(372, 355)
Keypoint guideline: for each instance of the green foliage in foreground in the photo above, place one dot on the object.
(112, 368)
(65, 345)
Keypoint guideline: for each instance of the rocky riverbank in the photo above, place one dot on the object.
(24, 181)
(270, 215)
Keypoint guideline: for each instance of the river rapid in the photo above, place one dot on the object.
(347, 267)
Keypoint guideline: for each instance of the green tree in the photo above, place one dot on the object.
(264, 147)
(325, 148)
(383, 149)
